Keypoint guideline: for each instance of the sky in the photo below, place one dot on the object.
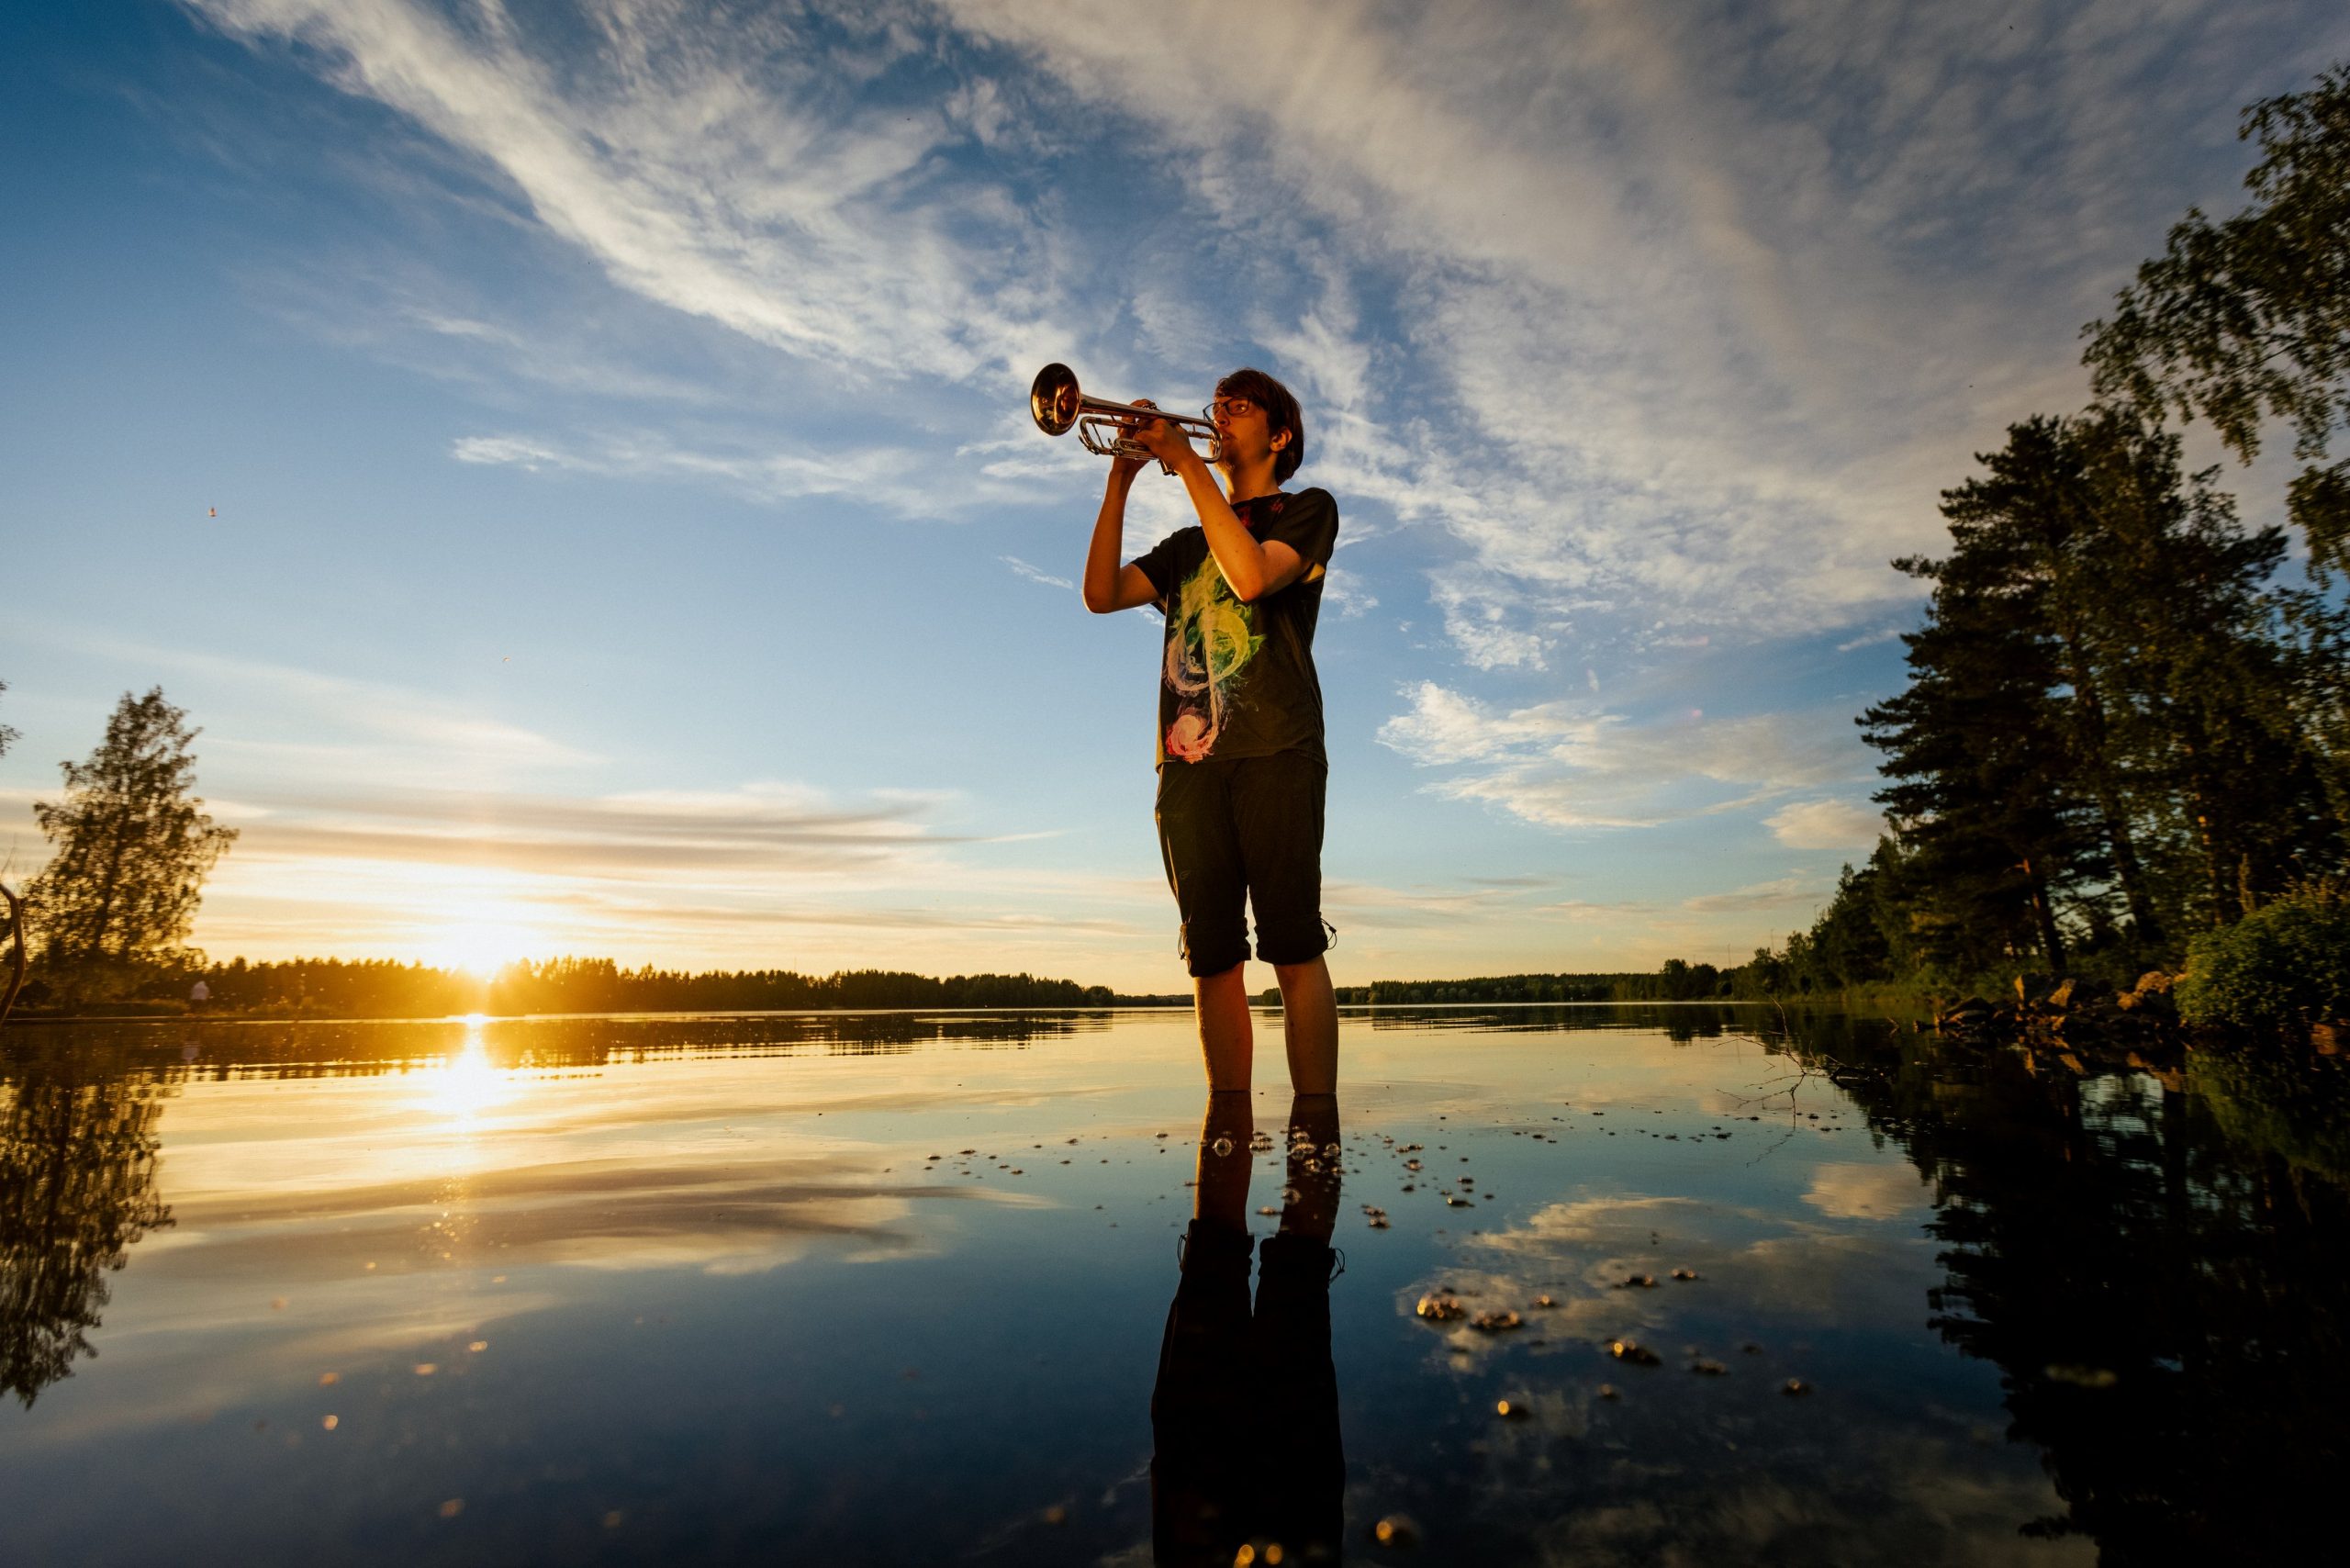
(572, 459)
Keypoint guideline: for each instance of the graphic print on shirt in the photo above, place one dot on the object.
(1212, 640)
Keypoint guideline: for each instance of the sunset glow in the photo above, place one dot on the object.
(482, 946)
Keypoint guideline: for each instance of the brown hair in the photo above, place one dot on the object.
(1280, 413)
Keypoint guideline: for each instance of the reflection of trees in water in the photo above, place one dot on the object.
(77, 1187)
(337, 1049)
(2168, 1304)
(1678, 1021)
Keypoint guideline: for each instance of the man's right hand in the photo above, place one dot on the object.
(1127, 467)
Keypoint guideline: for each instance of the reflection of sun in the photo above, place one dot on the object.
(467, 1083)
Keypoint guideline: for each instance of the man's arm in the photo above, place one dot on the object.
(1251, 569)
(1108, 585)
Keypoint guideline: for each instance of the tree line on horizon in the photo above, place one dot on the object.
(1677, 981)
(2127, 727)
(384, 988)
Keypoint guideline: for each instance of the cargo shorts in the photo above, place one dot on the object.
(1244, 830)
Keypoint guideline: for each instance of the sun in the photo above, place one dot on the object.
(482, 943)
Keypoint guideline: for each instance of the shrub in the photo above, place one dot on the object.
(2284, 965)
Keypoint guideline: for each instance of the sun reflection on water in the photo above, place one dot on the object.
(468, 1083)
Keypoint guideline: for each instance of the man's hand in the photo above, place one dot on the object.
(1125, 468)
(1170, 443)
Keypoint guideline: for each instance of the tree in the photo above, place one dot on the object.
(2249, 319)
(1983, 793)
(2109, 703)
(133, 848)
(2173, 663)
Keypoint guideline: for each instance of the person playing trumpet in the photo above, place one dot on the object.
(1242, 770)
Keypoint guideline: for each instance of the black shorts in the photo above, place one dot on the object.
(1247, 827)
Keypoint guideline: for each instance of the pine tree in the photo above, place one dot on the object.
(1985, 795)
(132, 848)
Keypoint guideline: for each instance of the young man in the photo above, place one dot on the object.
(1241, 765)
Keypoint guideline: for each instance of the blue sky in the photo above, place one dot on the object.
(631, 537)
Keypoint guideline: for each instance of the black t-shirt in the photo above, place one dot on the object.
(1238, 680)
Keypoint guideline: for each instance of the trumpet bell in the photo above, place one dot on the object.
(1103, 428)
(1054, 399)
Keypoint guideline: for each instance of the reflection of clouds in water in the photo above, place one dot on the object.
(344, 1263)
(224, 1352)
(1579, 1252)
(726, 1216)
(1721, 1470)
(1889, 1496)
(1865, 1192)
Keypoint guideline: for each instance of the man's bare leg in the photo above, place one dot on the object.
(1227, 1039)
(1309, 1026)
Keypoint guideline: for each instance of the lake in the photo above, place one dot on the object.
(904, 1288)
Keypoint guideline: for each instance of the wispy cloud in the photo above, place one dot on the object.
(745, 834)
(1560, 765)
(736, 167)
(695, 877)
(379, 729)
(892, 478)
(1825, 824)
(1021, 568)
(1783, 893)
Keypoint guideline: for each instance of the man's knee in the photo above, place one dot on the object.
(1214, 948)
(1292, 941)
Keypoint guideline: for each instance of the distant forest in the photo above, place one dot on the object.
(335, 988)
(388, 989)
(1678, 980)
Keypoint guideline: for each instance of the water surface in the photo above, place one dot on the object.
(896, 1288)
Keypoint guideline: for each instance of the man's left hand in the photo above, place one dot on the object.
(1170, 443)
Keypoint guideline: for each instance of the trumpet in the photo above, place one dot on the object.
(1103, 428)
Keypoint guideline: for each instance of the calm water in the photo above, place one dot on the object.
(672, 1290)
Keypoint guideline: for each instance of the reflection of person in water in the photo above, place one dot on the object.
(1219, 1480)
(77, 1187)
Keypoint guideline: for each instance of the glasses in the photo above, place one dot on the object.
(1229, 408)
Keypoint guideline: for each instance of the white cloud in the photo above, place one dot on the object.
(892, 478)
(1869, 639)
(1023, 569)
(1344, 590)
(1825, 824)
(1781, 893)
(491, 450)
(1560, 765)
(669, 837)
(380, 729)
(722, 164)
